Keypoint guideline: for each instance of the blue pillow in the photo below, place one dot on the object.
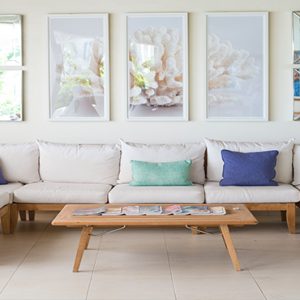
(2, 179)
(249, 169)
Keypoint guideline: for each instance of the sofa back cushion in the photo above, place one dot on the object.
(20, 162)
(284, 169)
(163, 153)
(296, 164)
(79, 163)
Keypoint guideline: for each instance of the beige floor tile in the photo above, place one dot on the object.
(219, 287)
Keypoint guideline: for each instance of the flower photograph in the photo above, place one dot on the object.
(78, 48)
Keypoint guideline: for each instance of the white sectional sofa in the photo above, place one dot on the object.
(46, 176)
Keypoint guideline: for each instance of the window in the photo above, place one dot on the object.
(11, 68)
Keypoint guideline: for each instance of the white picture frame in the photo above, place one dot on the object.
(11, 68)
(138, 28)
(238, 90)
(79, 68)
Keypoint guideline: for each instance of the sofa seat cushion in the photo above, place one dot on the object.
(6, 192)
(4, 199)
(51, 192)
(214, 193)
(124, 193)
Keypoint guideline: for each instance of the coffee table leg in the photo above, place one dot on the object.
(83, 243)
(230, 247)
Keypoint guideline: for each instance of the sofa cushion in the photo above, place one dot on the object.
(124, 193)
(4, 199)
(296, 165)
(6, 192)
(163, 153)
(2, 179)
(284, 164)
(214, 193)
(20, 162)
(251, 169)
(76, 163)
(162, 174)
(52, 192)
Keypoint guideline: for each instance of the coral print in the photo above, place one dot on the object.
(155, 65)
(227, 68)
(155, 69)
(236, 64)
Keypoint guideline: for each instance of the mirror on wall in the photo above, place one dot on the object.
(11, 68)
(296, 64)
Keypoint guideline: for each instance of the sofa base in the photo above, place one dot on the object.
(5, 219)
(22, 208)
(288, 211)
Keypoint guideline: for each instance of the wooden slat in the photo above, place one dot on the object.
(40, 206)
(267, 206)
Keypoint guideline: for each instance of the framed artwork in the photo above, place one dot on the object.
(157, 66)
(237, 66)
(296, 81)
(11, 68)
(296, 65)
(78, 67)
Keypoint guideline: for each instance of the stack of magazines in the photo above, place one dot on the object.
(151, 210)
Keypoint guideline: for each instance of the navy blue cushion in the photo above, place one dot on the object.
(2, 179)
(249, 169)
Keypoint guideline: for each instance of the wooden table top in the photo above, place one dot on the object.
(236, 214)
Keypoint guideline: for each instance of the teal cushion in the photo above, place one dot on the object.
(163, 173)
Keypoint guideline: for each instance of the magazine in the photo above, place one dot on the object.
(133, 210)
(196, 210)
(89, 211)
(113, 211)
(218, 210)
(151, 210)
(172, 209)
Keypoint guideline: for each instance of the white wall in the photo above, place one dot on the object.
(37, 125)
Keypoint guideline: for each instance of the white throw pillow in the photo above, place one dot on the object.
(79, 163)
(20, 162)
(284, 163)
(162, 153)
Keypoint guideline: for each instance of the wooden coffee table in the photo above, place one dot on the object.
(237, 214)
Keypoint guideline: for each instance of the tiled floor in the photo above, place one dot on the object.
(149, 264)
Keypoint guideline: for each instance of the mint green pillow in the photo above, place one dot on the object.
(163, 173)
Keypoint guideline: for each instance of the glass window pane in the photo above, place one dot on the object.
(10, 95)
(10, 41)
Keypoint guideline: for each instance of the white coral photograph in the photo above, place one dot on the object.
(157, 66)
(237, 66)
(78, 66)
